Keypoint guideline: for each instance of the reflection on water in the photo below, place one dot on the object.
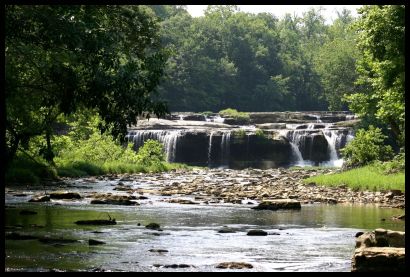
(317, 238)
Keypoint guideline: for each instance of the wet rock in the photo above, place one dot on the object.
(65, 195)
(96, 222)
(153, 226)
(177, 266)
(110, 199)
(40, 198)
(225, 230)
(27, 212)
(182, 201)
(158, 250)
(358, 234)
(95, 242)
(379, 259)
(234, 265)
(278, 204)
(256, 232)
(379, 250)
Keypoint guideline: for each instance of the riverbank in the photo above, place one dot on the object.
(248, 186)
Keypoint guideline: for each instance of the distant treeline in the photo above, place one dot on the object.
(256, 62)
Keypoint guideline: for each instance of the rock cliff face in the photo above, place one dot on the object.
(379, 250)
(278, 138)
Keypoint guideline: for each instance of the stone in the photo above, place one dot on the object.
(95, 242)
(278, 205)
(379, 250)
(40, 198)
(257, 232)
(153, 226)
(234, 265)
(378, 259)
(65, 195)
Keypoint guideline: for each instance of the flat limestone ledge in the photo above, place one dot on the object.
(376, 259)
(278, 204)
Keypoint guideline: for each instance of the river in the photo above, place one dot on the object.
(319, 237)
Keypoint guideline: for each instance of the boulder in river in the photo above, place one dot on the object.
(278, 204)
(379, 250)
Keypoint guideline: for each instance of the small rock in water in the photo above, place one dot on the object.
(358, 234)
(95, 242)
(158, 250)
(226, 230)
(234, 265)
(257, 232)
(153, 226)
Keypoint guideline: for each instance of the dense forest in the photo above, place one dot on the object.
(257, 62)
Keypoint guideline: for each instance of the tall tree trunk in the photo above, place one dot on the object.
(49, 156)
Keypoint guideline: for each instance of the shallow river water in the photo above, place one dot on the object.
(319, 237)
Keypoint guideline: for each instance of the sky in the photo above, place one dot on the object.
(329, 11)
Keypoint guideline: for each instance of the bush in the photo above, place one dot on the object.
(396, 165)
(234, 114)
(367, 146)
(151, 153)
(241, 133)
(260, 133)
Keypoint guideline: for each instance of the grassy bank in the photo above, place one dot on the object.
(364, 178)
(31, 171)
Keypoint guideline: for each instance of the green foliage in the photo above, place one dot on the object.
(381, 67)
(29, 170)
(207, 113)
(64, 57)
(234, 114)
(260, 133)
(369, 177)
(396, 165)
(240, 133)
(151, 153)
(367, 146)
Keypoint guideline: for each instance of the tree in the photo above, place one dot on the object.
(60, 58)
(381, 67)
(335, 62)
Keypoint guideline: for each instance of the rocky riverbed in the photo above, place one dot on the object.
(249, 186)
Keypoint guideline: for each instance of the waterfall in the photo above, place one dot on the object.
(167, 137)
(225, 148)
(296, 141)
(332, 140)
(210, 148)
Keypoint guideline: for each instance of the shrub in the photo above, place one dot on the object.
(234, 114)
(260, 133)
(151, 153)
(239, 133)
(367, 146)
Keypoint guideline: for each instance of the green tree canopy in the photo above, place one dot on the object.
(381, 68)
(60, 58)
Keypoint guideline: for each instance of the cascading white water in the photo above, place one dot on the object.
(168, 137)
(332, 140)
(225, 147)
(296, 139)
(210, 148)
